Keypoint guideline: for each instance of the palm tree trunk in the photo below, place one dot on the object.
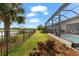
(6, 35)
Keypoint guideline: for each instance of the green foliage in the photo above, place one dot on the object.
(41, 28)
(29, 44)
(4, 7)
(11, 11)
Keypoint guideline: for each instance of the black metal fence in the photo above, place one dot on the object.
(16, 39)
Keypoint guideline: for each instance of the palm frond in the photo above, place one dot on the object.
(20, 10)
(11, 11)
(20, 19)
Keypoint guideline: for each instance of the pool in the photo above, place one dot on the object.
(72, 38)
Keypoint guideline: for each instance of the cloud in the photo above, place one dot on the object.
(32, 26)
(31, 14)
(45, 13)
(40, 8)
(34, 20)
(36, 9)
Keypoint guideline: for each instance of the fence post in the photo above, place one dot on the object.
(29, 32)
(23, 35)
(1, 43)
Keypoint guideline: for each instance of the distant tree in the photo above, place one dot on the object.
(41, 28)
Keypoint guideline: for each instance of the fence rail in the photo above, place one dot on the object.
(16, 39)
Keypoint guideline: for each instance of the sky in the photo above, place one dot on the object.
(38, 13)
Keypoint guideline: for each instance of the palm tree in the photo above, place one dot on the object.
(9, 13)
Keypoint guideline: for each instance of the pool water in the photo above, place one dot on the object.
(71, 37)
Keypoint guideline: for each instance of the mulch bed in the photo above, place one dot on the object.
(52, 47)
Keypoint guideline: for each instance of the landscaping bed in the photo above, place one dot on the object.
(53, 47)
(67, 51)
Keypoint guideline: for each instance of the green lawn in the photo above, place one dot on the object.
(29, 44)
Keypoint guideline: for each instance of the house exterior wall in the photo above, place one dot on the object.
(74, 28)
(74, 23)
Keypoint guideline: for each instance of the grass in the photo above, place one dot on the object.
(29, 44)
(17, 37)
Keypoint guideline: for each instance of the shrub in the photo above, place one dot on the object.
(43, 49)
